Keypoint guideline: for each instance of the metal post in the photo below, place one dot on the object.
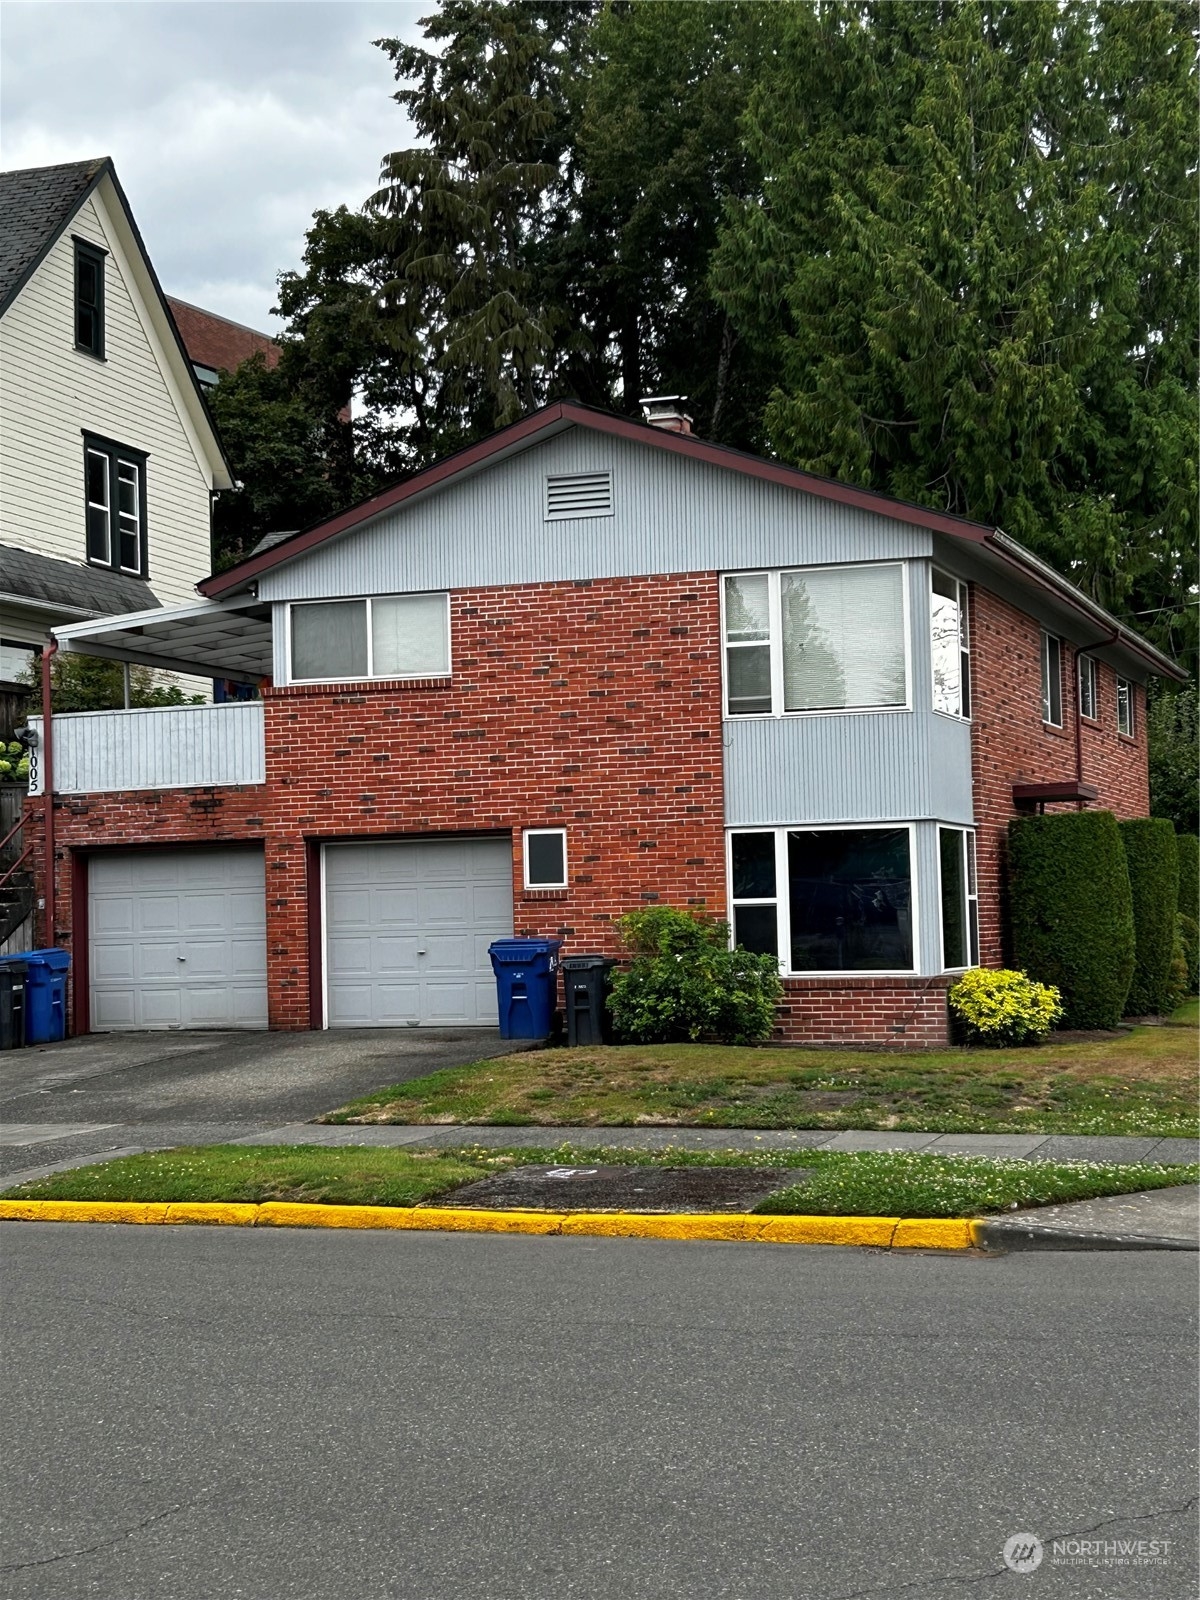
(47, 759)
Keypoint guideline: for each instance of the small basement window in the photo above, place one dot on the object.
(571, 495)
(545, 852)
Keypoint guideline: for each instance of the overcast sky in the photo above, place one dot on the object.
(230, 121)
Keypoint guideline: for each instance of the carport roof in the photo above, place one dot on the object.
(210, 639)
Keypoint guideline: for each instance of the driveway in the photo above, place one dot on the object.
(138, 1091)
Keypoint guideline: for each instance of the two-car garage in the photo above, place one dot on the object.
(178, 938)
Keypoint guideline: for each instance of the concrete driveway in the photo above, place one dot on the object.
(139, 1091)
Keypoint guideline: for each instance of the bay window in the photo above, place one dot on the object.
(815, 639)
(959, 897)
(389, 636)
(950, 646)
(825, 900)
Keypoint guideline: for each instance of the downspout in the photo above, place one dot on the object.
(48, 653)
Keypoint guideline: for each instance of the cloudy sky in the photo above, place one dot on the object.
(230, 121)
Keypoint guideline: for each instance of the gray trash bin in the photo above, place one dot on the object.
(12, 1005)
(585, 984)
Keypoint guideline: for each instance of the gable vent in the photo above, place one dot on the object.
(578, 494)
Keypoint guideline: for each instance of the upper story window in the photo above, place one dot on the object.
(115, 492)
(1089, 687)
(89, 298)
(1051, 680)
(545, 853)
(388, 636)
(951, 646)
(815, 639)
(1125, 722)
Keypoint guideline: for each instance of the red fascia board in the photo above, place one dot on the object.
(526, 431)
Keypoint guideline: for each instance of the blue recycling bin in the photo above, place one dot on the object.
(526, 985)
(45, 994)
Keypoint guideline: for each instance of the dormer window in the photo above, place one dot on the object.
(89, 298)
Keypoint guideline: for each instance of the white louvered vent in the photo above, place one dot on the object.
(578, 494)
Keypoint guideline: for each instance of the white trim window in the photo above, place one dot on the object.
(1051, 680)
(950, 645)
(385, 636)
(816, 639)
(1089, 686)
(958, 890)
(826, 900)
(544, 851)
(1125, 713)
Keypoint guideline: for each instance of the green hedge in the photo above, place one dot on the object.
(1188, 846)
(1072, 912)
(1153, 862)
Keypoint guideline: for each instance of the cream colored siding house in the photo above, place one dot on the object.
(108, 458)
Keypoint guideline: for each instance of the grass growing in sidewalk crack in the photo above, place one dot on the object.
(829, 1183)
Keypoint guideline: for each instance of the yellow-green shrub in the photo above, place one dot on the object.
(1004, 1007)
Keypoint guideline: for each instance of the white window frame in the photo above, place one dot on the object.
(94, 505)
(369, 675)
(1048, 719)
(964, 644)
(970, 895)
(530, 833)
(1127, 725)
(783, 906)
(1088, 671)
(774, 642)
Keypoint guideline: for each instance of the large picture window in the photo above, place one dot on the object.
(815, 639)
(392, 636)
(825, 899)
(115, 494)
(960, 898)
(950, 646)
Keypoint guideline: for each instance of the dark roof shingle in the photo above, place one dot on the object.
(35, 204)
(50, 582)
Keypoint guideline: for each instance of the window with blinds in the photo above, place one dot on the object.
(815, 639)
(571, 495)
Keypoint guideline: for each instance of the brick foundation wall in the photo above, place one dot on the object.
(1010, 744)
(894, 1013)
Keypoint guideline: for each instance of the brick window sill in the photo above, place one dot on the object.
(299, 691)
(545, 894)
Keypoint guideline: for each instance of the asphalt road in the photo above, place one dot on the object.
(208, 1413)
(118, 1091)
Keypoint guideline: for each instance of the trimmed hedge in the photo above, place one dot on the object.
(1072, 912)
(1188, 846)
(1153, 861)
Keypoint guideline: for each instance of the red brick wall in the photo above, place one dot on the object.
(895, 1013)
(215, 342)
(1010, 744)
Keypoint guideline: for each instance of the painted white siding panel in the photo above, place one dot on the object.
(50, 393)
(177, 939)
(669, 515)
(174, 747)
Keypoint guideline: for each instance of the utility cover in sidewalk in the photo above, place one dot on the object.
(624, 1188)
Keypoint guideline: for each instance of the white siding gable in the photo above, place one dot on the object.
(51, 393)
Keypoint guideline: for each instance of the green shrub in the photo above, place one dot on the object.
(1072, 912)
(685, 983)
(1153, 861)
(1188, 846)
(1003, 1007)
(1188, 932)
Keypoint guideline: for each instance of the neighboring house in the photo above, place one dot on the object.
(110, 458)
(215, 345)
(585, 666)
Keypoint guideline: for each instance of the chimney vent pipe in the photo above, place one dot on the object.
(666, 411)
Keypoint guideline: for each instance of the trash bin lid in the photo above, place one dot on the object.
(13, 966)
(586, 963)
(56, 960)
(523, 948)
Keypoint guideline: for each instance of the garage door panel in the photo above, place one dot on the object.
(408, 925)
(149, 908)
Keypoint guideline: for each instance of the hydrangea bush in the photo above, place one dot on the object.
(1002, 1007)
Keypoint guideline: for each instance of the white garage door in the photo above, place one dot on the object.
(177, 939)
(407, 929)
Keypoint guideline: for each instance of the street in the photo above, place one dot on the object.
(209, 1413)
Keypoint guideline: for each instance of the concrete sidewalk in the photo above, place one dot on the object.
(1158, 1219)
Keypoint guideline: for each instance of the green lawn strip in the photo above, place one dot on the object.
(835, 1183)
(1140, 1081)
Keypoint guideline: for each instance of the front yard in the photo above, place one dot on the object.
(1141, 1080)
(826, 1183)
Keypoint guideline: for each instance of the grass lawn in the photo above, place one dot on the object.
(833, 1184)
(1139, 1081)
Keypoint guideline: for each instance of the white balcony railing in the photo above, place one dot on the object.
(168, 747)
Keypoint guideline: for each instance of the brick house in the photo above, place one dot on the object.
(586, 665)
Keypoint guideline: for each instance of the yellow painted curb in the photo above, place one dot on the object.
(876, 1232)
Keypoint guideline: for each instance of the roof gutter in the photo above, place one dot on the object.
(1034, 570)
